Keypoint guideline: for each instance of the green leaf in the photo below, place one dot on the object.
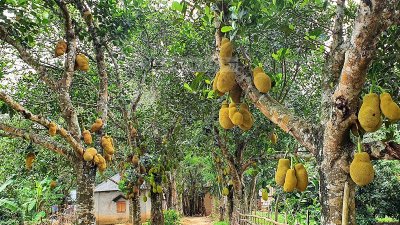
(39, 216)
(10, 205)
(225, 29)
(187, 87)
(177, 6)
(5, 184)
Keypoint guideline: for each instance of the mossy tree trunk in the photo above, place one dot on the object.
(136, 218)
(157, 217)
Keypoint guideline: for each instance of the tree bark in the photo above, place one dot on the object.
(157, 217)
(136, 220)
(85, 186)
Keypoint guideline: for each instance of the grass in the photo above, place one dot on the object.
(221, 223)
(386, 220)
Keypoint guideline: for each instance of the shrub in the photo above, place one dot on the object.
(171, 217)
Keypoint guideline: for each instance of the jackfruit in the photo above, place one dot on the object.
(224, 120)
(290, 181)
(53, 184)
(98, 124)
(280, 174)
(89, 154)
(361, 169)
(96, 159)
(144, 198)
(232, 109)
(226, 79)
(107, 144)
(389, 108)
(30, 157)
(87, 137)
(273, 137)
(369, 115)
(142, 169)
(264, 194)
(302, 177)
(215, 81)
(248, 120)
(102, 160)
(82, 62)
(225, 191)
(135, 189)
(219, 179)
(225, 53)
(237, 118)
(52, 129)
(61, 48)
(261, 80)
(102, 167)
(135, 160)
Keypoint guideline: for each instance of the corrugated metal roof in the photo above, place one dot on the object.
(112, 184)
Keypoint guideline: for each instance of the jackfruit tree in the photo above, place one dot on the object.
(61, 127)
(343, 78)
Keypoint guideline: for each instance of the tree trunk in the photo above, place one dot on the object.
(230, 205)
(85, 186)
(157, 217)
(334, 173)
(136, 219)
(173, 193)
(222, 208)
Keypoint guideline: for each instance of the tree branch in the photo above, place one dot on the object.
(42, 121)
(383, 150)
(13, 132)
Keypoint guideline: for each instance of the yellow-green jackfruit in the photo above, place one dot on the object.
(224, 119)
(135, 160)
(361, 169)
(87, 137)
(30, 157)
(280, 174)
(389, 108)
(52, 129)
(273, 137)
(82, 62)
(215, 87)
(370, 113)
(261, 80)
(302, 177)
(61, 48)
(237, 118)
(290, 181)
(107, 144)
(89, 154)
(248, 120)
(98, 124)
(226, 79)
(225, 53)
(264, 194)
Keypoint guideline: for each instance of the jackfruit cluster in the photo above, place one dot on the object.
(52, 129)
(369, 115)
(97, 125)
(291, 179)
(61, 48)
(226, 50)
(108, 144)
(30, 157)
(81, 63)
(389, 108)
(89, 154)
(230, 116)
(261, 80)
(226, 79)
(361, 169)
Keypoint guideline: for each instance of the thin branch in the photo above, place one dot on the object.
(42, 121)
(13, 132)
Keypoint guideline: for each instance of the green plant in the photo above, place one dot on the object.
(171, 217)
(221, 223)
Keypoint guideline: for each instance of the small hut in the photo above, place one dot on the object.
(111, 205)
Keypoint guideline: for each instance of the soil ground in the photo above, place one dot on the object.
(196, 220)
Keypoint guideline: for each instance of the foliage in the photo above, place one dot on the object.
(171, 217)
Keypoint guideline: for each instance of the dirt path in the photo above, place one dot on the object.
(196, 220)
